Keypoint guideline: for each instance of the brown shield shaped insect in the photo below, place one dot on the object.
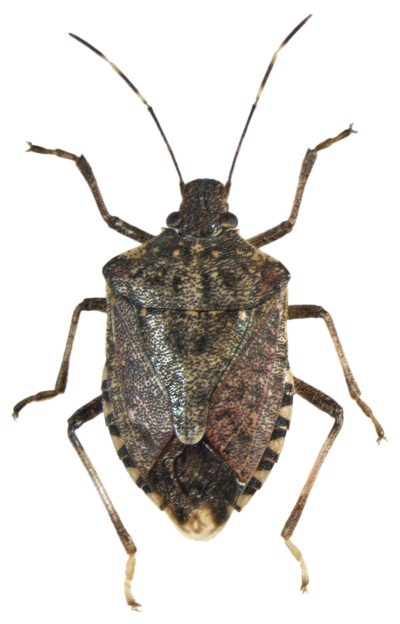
(197, 391)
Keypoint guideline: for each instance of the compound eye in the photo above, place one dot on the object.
(228, 220)
(174, 219)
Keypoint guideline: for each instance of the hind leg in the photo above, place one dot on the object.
(330, 406)
(81, 416)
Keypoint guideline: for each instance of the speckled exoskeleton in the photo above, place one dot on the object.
(197, 391)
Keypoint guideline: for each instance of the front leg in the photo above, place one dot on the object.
(113, 222)
(308, 163)
(313, 311)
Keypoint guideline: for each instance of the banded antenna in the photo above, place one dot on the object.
(150, 110)
(299, 26)
(145, 103)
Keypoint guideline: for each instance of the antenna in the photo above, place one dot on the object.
(149, 108)
(253, 108)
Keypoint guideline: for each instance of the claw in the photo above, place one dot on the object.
(352, 128)
(382, 437)
(29, 144)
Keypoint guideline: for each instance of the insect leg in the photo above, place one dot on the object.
(113, 222)
(82, 416)
(313, 311)
(329, 406)
(287, 226)
(98, 305)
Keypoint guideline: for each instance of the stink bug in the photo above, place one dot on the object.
(197, 391)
